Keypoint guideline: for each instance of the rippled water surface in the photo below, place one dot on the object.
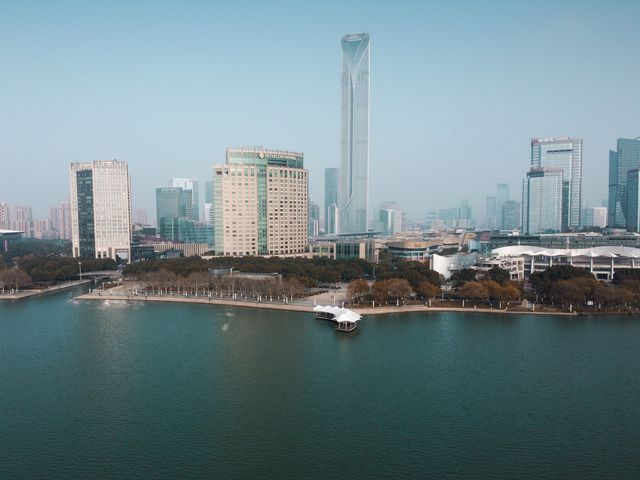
(105, 390)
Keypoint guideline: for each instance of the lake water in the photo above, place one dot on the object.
(108, 389)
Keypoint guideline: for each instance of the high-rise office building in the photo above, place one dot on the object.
(314, 219)
(5, 217)
(502, 196)
(101, 209)
(625, 158)
(354, 167)
(542, 193)
(490, 213)
(510, 215)
(391, 219)
(566, 154)
(190, 184)
(331, 188)
(260, 203)
(208, 191)
(633, 200)
(594, 217)
(173, 204)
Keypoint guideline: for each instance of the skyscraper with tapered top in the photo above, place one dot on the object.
(354, 168)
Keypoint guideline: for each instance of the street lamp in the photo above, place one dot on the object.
(80, 269)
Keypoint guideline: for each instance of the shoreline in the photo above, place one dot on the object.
(297, 306)
(22, 294)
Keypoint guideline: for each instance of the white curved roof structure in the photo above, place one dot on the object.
(339, 314)
(612, 251)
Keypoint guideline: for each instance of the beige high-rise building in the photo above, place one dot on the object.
(260, 204)
(101, 209)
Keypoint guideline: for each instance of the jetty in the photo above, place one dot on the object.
(346, 320)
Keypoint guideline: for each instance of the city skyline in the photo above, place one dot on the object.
(164, 106)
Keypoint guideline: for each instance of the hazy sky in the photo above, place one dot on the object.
(457, 90)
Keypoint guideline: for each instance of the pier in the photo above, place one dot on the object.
(346, 320)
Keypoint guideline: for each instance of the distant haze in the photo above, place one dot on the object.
(457, 91)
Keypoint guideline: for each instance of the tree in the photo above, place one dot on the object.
(357, 290)
(474, 290)
(460, 277)
(14, 278)
(499, 275)
(399, 289)
(544, 281)
(428, 290)
(380, 291)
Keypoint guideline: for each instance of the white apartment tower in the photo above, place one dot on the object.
(101, 209)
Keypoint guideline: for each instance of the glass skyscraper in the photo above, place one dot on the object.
(627, 157)
(542, 201)
(354, 168)
(190, 184)
(173, 204)
(633, 200)
(566, 154)
(331, 189)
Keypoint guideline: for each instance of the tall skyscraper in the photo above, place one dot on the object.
(391, 219)
(625, 158)
(490, 214)
(510, 215)
(208, 191)
(314, 219)
(632, 213)
(566, 154)
(542, 193)
(354, 167)
(331, 188)
(173, 205)
(190, 184)
(260, 203)
(502, 196)
(5, 217)
(101, 209)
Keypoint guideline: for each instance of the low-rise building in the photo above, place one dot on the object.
(602, 262)
(513, 265)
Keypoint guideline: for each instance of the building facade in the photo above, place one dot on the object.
(633, 199)
(331, 188)
(5, 217)
(260, 204)
(23, 220)
(354, 167)
(542, 201)
(101, 209)
(192, 185)
(173, 205)
(511, 215)
(625, 158)
(314, 219)
(566, 154)
(502, 196)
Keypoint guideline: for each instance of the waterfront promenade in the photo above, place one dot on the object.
(42, 291)
(331, 297)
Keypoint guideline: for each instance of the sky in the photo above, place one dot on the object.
(458, 89)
